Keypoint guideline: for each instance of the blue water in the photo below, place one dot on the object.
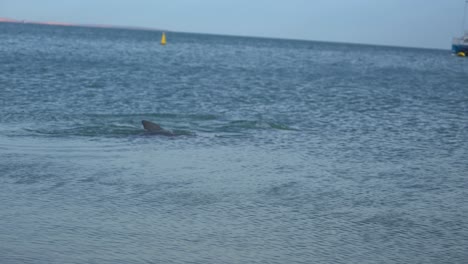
(287, 151)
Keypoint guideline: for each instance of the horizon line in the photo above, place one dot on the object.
(108, 26)
(67, 24)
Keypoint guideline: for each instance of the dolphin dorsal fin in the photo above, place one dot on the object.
(150, 126)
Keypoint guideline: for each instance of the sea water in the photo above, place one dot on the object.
(286, 151)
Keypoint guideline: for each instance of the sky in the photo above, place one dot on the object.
(409, 23)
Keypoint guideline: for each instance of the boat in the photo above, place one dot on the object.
(460, 44)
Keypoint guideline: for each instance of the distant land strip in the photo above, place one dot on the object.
(53, 23)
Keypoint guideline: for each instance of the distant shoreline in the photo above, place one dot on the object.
(53, 23)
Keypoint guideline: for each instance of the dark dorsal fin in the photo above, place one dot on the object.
(150, 126)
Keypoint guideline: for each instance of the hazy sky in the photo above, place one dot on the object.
(416, 23)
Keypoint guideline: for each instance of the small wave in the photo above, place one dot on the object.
(89, 131)
(171, 116)
(262, 125)
(100, 131)
(126, 125)
(285, 189)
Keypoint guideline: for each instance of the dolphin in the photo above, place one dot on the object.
(156, 129)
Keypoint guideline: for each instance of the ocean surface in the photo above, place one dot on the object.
(286, 151)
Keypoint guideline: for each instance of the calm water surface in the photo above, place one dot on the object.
(287, 151)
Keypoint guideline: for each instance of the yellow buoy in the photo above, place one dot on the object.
(163, 39)
(461, 54)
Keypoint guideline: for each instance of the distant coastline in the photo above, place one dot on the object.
(54, 23)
